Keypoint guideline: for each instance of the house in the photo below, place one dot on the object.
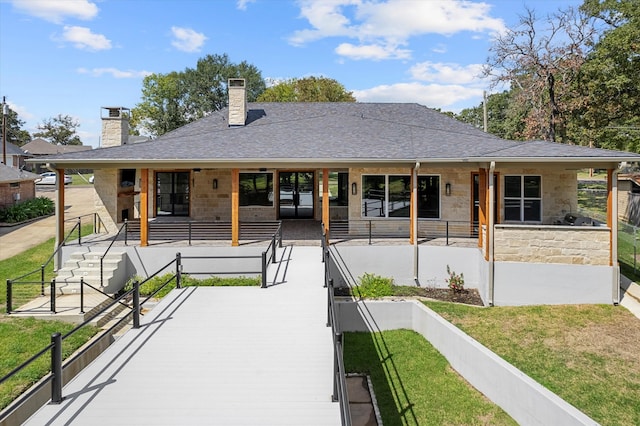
(16, 185)
(399, 170)
(15, 156)
(41, 148)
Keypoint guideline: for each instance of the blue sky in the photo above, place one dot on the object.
(73, 57)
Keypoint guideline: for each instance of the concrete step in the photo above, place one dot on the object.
(86, 265)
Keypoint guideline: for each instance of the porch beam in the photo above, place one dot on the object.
(235, 207)
(144, 208)
(482, 197)
(325, 203)
(59, 212)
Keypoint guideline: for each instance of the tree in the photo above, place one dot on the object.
(177, 98)
(505, 117)
(15, 134)
(309, 89)
(59, 130)
(609, 83)
(541, 59)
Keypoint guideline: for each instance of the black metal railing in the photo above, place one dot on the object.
(339, 374)
(113, 240)
(428, 230)
(27, 279)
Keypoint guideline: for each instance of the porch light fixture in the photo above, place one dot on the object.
(447, 189)
(197, 170)
(215, 184)
(354, 188)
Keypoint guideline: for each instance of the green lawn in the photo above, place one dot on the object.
(414, 384)
(80, 179)
(587, 354)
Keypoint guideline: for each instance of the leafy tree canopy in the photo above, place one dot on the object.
(309, 89)
(174, 99)
(59, 130)
(15, 133)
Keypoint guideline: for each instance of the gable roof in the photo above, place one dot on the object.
(42, 147)
(333, 133)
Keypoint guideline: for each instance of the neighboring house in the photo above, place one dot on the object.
(15, 156)
(16, 185)
(41, 148)
(629, 198)
(399, 169)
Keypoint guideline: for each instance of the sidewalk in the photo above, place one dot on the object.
(79, 200)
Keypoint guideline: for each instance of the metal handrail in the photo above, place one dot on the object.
(339, 376)
(276, 239)
(113, 240)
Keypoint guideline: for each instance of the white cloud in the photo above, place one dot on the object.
(242, 4)
(388, 25)
(23, 113)
(187, 40)
(57, 10)
(448, 73)
(114, 72)
(371, 51)
(431, 95)
(83, 38)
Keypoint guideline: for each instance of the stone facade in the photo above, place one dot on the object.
(579, 245)
(106, 199)
(115, 131)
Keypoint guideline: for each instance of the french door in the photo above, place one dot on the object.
(172, 194)
(296, 195)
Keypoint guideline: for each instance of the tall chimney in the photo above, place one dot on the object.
(237, 102)
(115, 126)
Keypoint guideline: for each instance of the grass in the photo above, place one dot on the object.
(80, 179)
(587, 354)
(20, 339)
(156, 282)
(414, 384)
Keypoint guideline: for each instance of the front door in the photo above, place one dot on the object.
(296, 195)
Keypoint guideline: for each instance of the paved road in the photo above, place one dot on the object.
(79, 200)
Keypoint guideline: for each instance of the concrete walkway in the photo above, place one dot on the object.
(217, 355)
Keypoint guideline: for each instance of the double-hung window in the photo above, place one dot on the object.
(523, 198)
(389, 196)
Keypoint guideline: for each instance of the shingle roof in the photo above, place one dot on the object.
(356, 132)
(11, 174)
(42, 147)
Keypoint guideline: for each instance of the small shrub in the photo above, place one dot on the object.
(29, 209)
(374, 286)
(455, 281)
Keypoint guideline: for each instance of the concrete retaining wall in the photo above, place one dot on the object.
(524, 399)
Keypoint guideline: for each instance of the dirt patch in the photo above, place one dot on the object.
(467, 296)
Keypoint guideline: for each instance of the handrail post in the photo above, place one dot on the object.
(178, 270)
(325, 260)
(52, 296)
(336, 370)
(329, 304)
(79, 230)
(41, 280)
(9, 296)
(82, 295)
(56, 368)
(136, 304)
(280, 235)
(369, 232)
(126, 231)
(447, 231)
(189, 233)
(101, 270)
(273, 253)
(264, 270)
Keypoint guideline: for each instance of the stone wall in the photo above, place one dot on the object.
(106, 200)
(579, 245)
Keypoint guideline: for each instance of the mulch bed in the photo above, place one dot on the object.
(467, 296)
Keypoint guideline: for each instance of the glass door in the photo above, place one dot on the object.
(172, 194)
(296, 195)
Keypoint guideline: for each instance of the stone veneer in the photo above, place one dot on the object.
(579, 245)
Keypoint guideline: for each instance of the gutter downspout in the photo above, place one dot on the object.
(614, 237)
(490, 241)
(414, 179)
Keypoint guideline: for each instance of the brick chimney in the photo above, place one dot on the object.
(237, 101)
(115, 126)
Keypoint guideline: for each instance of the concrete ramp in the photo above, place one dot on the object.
(217, 355)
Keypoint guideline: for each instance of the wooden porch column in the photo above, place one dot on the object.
(482, 206)
(235, 207)
(325, 203)
(59, 213)
(413, 217)
(144, 208)
(612, 215)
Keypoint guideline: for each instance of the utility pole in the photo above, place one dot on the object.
(5, 112)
